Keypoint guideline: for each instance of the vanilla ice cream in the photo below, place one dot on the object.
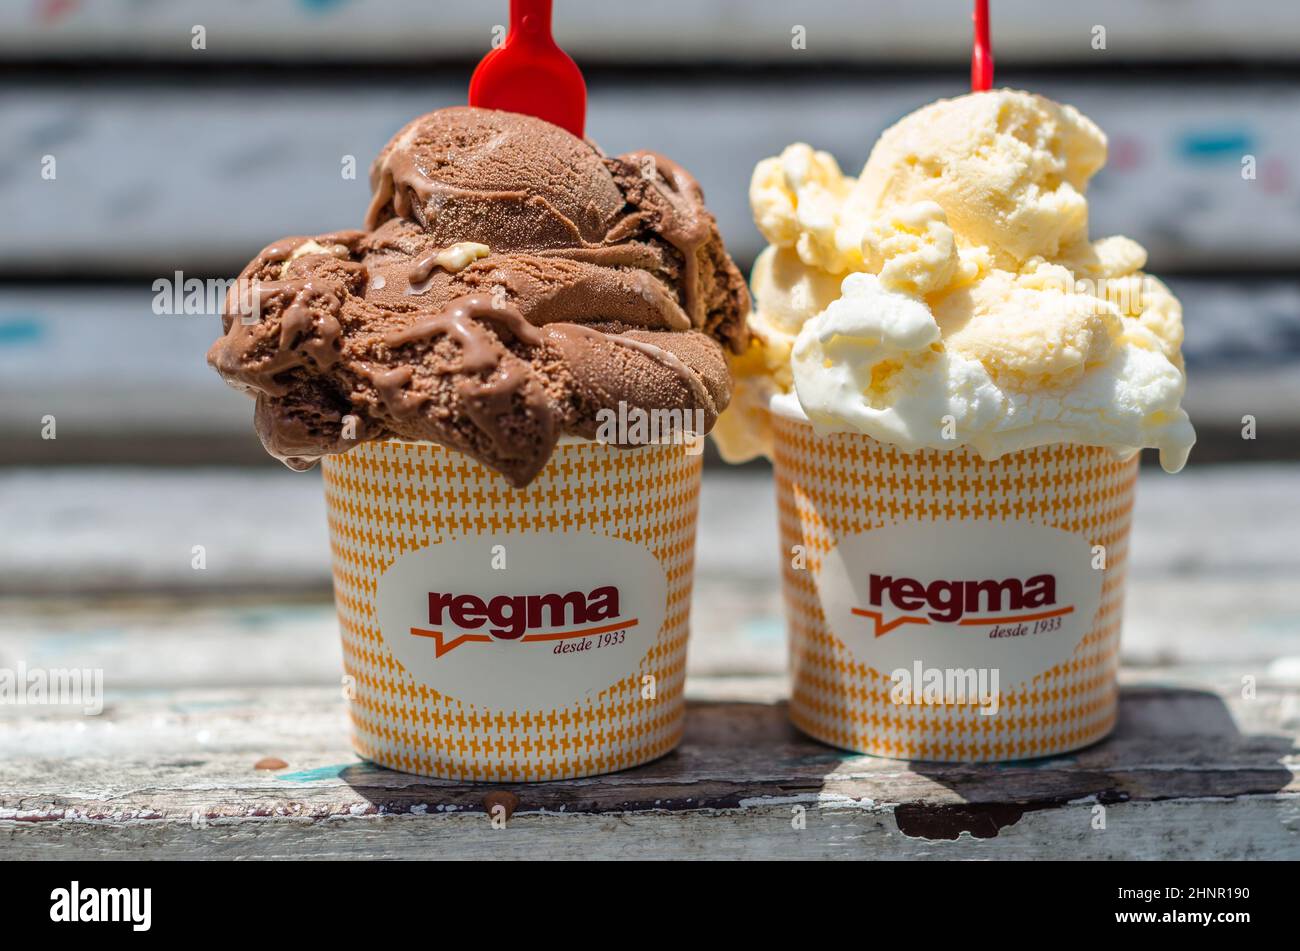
(950, 295)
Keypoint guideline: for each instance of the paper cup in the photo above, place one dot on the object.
(499, 634)
(942, 607)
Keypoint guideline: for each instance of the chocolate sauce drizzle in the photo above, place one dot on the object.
(684, 228)
(399, 178)
(494, 377)
(564, 332)
(517, 384)
(304, 340)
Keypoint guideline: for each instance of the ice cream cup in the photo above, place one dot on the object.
(512, 635)
(945, 607)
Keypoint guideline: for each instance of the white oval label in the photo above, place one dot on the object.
(523, 620)
(1016, 598)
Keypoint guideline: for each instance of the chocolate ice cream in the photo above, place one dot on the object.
(512, 281)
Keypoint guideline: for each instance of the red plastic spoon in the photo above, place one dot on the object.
(528, 73)
(981, 59)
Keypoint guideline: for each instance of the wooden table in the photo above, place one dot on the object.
(207, 672)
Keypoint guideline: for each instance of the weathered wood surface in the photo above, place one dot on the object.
(704, 29)
(272, 156)
(1190, 773)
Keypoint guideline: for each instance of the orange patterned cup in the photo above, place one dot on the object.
(511, 635)
(943, 607)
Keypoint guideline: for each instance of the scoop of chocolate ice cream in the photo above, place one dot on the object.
(512, 282)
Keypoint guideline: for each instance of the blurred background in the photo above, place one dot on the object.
(171, 158)
(174, 159)
(184, 135)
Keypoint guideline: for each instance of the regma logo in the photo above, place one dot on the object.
(947, 601)
(507, 616)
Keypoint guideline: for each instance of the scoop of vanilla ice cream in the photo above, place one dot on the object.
(797, 199)
(950, 295)
(1008, 168)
